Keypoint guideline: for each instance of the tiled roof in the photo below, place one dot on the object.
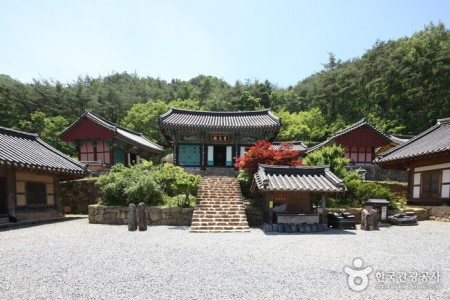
(297, 146)
(298, 178)
(434, 140)
(122, 133)
(363, 122)
(398, 139)
(188, 119)
(27, 150)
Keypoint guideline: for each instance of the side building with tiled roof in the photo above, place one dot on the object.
(288, 192)
(295, 145)
(426, 157)
(101, 143)
(30, 171)
(205, 139)
(360, 141)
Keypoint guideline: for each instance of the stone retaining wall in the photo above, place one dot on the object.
(254, 216)
(77, 195)
(375, 173)
(100, 214)
(440, 213)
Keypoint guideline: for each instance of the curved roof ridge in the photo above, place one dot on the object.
(203, 112)
(384, 156)
(181, 118)
(19, 133)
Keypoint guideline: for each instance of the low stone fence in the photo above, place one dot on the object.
(254, 216)
(77, 195)
(440, 213)
(420, 213)
(374, 172)
(100, 214)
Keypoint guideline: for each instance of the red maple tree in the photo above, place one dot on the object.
(263, 153)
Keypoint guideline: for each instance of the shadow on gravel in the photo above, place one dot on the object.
(32, 223)
(329, 232)
(184, 228)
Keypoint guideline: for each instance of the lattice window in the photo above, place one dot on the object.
(36, 194)
(431, 183)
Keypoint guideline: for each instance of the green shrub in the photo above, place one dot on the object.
(144, 189)
(359, 192)
(146, 183)
(123, 186)
(179, 200)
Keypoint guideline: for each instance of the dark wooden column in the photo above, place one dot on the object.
(175, 152)
(56, 193)
(237, 147)
(11, 183)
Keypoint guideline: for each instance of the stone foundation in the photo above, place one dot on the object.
(375, 173)
(100, 214)
(440, 213)
(254, 216)
(77, 195)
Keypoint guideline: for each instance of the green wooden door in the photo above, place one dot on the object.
(189, 155)
(119, 156)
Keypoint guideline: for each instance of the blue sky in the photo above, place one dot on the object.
(282, 41)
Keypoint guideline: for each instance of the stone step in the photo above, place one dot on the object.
(220, 229)
(4, 219)
(220, 206)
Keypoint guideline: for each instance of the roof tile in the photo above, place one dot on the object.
(178, 118)
(27, 150)
(298, 178)
(433, 140)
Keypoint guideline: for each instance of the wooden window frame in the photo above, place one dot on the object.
(355, 150)
(426, 183)
(36, 205)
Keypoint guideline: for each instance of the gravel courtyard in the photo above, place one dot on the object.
(77, 260)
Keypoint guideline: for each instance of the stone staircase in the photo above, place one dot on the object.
(219, 206)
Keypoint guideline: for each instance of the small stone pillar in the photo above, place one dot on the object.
(369, 219)
(132, 222)
(142, 217)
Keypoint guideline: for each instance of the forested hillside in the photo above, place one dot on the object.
(402, 86)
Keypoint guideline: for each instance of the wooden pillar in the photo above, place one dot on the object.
(11, 187)
(236, 154)
(202, 157)
(324, 210)
(56, 193)
(175, 154)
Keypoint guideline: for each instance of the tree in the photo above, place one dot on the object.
(142, 118)
(305, 125)
(53, 127)
(263, 153)
(186, 184)
(329, 156)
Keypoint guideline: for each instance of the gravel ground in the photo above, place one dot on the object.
(77, 260)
